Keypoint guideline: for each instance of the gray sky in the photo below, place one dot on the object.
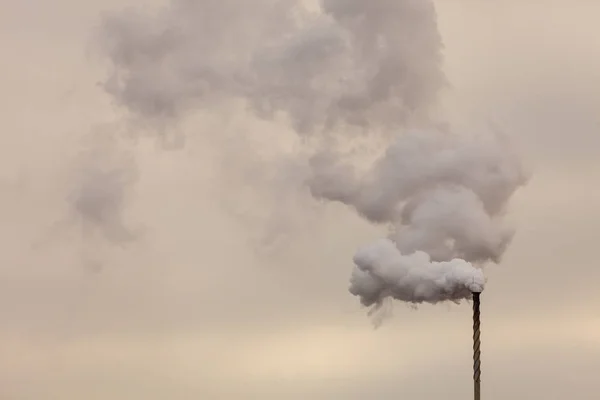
(192, 311)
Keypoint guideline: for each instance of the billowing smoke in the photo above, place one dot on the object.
(359, 81)
(416, 278)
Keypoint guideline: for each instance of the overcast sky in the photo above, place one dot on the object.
(193, 311)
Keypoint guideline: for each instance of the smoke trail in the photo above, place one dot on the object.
(347, 77)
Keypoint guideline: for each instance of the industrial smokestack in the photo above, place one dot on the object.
(476, 347)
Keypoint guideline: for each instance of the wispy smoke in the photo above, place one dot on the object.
(100, 183)
(104, 176)
(352, 73)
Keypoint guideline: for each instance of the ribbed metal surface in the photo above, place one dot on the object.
(476, 347)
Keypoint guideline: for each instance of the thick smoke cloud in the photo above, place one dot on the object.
(348, 76)
(443, 194)
(414, 278)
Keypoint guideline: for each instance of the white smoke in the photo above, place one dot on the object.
(442, 193)
(382, 269)
(351, 73)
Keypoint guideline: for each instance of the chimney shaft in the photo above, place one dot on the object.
(476, 347)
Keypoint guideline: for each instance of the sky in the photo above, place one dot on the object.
(192, 309)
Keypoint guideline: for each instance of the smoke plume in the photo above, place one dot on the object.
(359, 82)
